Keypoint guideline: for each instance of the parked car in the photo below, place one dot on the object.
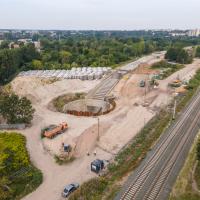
(69, 189)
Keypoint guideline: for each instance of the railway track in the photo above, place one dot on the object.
(153, 180)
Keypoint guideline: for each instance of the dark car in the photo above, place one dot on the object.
(69, 189)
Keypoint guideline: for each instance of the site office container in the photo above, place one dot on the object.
(97, 165)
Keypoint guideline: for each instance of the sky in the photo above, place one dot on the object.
(99, 14)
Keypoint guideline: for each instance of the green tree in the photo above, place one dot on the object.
(37, 64)
(8, 64)
(4, 44)
(15, 109)
(172, 54)
(179, 55)
(184, 57)
(35, 37)
(64, 56)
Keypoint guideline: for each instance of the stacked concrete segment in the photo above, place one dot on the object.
(84, 73)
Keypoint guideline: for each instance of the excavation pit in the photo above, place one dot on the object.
(89, 107)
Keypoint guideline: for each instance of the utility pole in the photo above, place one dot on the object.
(98, 129)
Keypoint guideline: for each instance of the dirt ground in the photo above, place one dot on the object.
(116, 128)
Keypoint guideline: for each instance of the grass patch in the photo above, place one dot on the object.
(112, 192)
(197, 175)
(60, 101)
(18, 176)
(130, 157)
(167, 68)
(182, 189)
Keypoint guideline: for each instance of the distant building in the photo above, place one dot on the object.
(37, 45)
(194, 33)
(25, 41)
(178, 34)
(13, 45)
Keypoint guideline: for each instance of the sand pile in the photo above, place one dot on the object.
(38, 90)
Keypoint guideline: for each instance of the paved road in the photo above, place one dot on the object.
(154, 179)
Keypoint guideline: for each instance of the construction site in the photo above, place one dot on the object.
(117, 105)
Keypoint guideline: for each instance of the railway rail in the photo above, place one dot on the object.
(153, 180)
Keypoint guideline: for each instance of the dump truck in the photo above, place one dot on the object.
(176, 83)
(53, 130)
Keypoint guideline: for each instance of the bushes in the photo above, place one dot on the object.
(167, 68)
(61, 161)
(18, 176)
(60, 101)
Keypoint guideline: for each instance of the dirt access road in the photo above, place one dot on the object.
(116, 128)
(55, 176)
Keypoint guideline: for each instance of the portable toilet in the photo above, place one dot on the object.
(97, 165)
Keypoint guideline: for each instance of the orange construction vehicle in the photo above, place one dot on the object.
(53, 130)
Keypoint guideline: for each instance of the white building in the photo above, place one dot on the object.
(194, 33)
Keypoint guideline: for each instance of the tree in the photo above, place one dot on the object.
(184, 57)
(64, 56)
(28, 53)
(172, 54)
(4, 44)
(37, 64)
(35, 37)
(15, 109)
(8, 64)
(179, 55)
